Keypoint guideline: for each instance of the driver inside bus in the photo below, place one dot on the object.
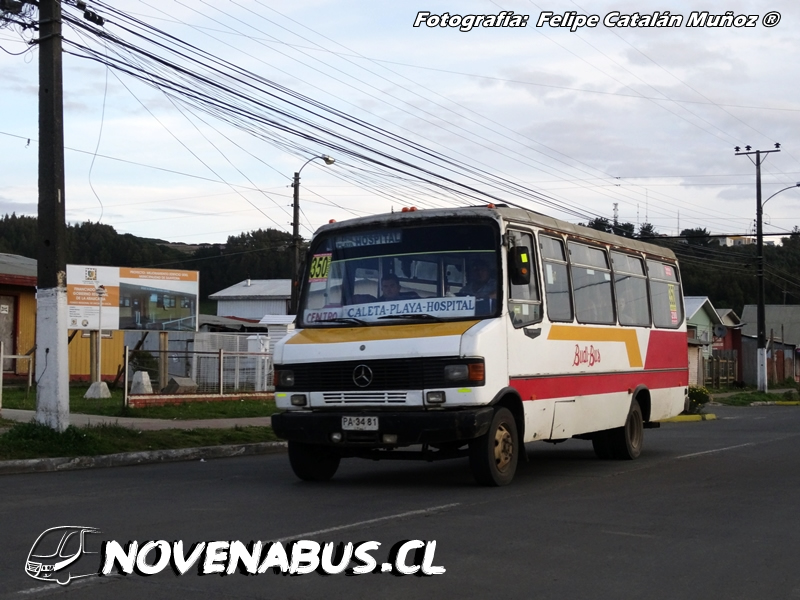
(480, 283)
(390, 290)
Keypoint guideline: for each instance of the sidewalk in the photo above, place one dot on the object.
(79, 420)
(726, 394)
(38, 465)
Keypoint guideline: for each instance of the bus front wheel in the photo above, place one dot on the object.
(312, 462)
(493, 457)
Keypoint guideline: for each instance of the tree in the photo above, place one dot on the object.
(600, 224)
(259, 254)
(697, 237)
(646, 230)
(627, 230)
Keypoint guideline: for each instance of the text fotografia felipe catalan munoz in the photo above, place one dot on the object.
(573, 21)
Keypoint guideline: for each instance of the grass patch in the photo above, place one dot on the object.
(32, 440)
(112, 407)
(747, 398)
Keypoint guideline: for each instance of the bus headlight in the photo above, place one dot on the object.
(284, 378)
(456, 373)
(299, 400)
(472, 372)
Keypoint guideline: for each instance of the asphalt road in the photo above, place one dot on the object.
(710, 510)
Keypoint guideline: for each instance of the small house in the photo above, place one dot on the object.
(254, 298)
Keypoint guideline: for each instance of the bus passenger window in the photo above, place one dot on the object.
(665, 295)
(591, 281)
(630, 285)
(556, 280)
(524, 302)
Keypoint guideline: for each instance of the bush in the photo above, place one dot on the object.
(698, 397)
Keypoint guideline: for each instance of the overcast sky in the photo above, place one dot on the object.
(646, 118)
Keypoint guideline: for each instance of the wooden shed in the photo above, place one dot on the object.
(18, 326)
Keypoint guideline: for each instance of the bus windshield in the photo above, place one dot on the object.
(402, 274)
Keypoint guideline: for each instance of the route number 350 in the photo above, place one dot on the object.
(319, 267)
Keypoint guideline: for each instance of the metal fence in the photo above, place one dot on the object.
(9, 357)
(221, 372)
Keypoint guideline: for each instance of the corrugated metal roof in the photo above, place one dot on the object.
(695, 303)
(250, 289)
(775, 317)
(730, 315)
(277, 320)
(13, 264)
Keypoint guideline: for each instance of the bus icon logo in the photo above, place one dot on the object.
(56, 555)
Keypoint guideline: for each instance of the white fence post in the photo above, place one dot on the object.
(125, 366)
(221, 372)
(2, 351)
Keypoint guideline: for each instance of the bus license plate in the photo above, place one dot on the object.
(360, 423)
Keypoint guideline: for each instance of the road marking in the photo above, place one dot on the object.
(714, 451)
(410, 513)
(36, 590)
(638, 535)
(54, 587)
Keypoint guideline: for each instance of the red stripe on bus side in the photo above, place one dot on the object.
(667, 350)
(587, 384)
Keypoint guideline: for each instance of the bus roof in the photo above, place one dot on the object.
(507, 214)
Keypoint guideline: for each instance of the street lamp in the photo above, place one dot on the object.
(296, 230)
(761, 312)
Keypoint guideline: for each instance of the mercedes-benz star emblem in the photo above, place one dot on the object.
(362, 376)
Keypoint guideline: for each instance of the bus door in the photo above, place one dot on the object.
(524, 304)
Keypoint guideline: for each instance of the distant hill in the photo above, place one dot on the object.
(260, 254)
(726, 275)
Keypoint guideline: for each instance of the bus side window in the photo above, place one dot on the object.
(556, 279)
(524, 302)
(591, 281)
(630, 285)
(665, 295)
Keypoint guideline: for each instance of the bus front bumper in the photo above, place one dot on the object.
(409, 427)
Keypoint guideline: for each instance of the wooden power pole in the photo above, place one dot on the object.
(52, 372)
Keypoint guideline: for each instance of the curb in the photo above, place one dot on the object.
(690, 418)
(124, 459)
(777, 403)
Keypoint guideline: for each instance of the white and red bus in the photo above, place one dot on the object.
(468, 332)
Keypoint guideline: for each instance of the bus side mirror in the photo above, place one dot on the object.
(519, 265)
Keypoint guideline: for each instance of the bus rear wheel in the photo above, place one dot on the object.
(312, 462)
(626, 441)
(493, 457)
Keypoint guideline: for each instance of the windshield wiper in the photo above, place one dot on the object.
(342, 320)
(423, 316)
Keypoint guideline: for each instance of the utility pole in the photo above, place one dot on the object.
(52, 375)
(761, 359)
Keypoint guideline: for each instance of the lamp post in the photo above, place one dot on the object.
(761, 315)
(761, 320)
(296, 230)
